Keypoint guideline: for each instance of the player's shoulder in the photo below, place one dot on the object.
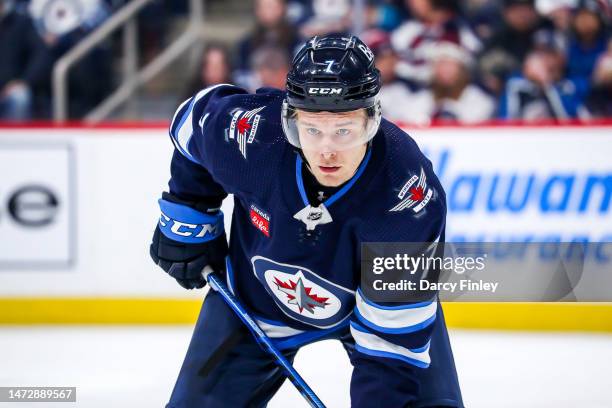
(226, 118)
(227, 99)
(400, 143)
(402, 153)
(411, 188)
(236, 135)
(226, 104)
(254, 117)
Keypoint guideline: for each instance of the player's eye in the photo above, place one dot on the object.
(343, 132)
(313, 131)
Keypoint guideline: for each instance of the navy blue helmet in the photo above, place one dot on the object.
(334, 74)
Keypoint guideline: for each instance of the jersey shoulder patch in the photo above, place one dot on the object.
(235, 135)
(415, 194)
(412, 182)
(412, 204)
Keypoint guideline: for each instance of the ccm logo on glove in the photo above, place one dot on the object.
(184, 224)
(188, 230)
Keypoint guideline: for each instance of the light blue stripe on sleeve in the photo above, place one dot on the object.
(183, 132)
(395, 319)
(399, 330)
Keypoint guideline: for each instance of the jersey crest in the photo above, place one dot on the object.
(303, 295)
(243, 128)
(414, 197)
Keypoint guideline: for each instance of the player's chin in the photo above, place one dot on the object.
(330, 179)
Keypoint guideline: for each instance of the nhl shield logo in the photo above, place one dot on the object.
(414, 197)
(302, 294)
(243, 128)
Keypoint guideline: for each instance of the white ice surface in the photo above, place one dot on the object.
(136, 367)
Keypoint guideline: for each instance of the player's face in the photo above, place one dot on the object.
(333, 144)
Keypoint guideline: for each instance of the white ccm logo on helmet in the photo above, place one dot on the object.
(325, 91)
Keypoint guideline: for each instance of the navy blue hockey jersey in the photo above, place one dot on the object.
(303, 284)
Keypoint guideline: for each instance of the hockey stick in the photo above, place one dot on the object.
(262, 339)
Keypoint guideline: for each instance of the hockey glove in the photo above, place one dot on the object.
(186, 240)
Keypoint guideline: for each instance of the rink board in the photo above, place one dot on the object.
(78, 206)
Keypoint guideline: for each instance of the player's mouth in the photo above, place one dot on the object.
(329, 169)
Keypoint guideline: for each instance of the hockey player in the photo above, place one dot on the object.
(315, 172)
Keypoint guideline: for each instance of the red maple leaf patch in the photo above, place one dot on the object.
(243, 125)
(416, 193)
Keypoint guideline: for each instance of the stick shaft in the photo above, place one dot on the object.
(262, 339)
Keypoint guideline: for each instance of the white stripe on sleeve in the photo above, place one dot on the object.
(397, 317)
(185, 130)
(369, 343)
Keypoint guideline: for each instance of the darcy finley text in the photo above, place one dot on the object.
(463, 284)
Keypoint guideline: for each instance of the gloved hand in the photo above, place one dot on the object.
(186, 240)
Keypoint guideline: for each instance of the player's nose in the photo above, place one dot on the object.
(328, 154)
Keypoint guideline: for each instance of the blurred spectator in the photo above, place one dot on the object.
(24, 63)
(383, 14)
(298, 11)
(271, 28)
(152, 29)
(270, 66)
(52, 29)
(395, 95)
(559, 12)
(56, 18)
(452, 96)
(505, 52)
(214, 69)
(542, 91)
(589, 39)
(483, 16)
(416, 40)
(329, 16)
(599, 101)
(90, 79)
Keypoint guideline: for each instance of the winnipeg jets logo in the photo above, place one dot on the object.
(300, 295)
(243, 128)
(297, 293)
(418, 196)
